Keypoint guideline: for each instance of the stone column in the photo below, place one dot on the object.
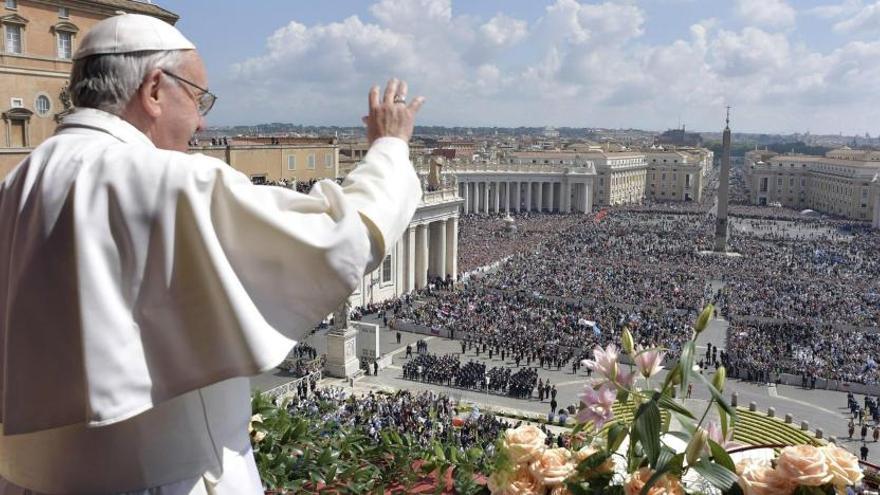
(517, 197)
(507, 197)
(550, 197)
(565, 203)
(410, 251)
(540, 199)
(400, 265)
(437, 267)
(466, 207)
(452, 247)
(485, 205)
(877, 212)
(475, 197)
(528, 196)
(421, 256)
(588, 198)
(497, 196)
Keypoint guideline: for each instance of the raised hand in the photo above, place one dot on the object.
(391, 116)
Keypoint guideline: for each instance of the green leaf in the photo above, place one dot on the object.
(438, 453)
(616, 434)
(577, 488)
(668, 462)
(721, 456)
(719, 476)
(647, 425)
(593, 462)
(719, 399)
(687, 365)
(669, 403)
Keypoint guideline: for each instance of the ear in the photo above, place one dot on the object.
(149, 93)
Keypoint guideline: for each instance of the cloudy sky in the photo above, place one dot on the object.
(784, 65)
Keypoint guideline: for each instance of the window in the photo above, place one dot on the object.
(63, 12)
(43, 105)
(291, 162)
(13, 37)
(65, 45)
(311, 163)
(12, 4)
(386, 269)
(328, 160)
(16, 103)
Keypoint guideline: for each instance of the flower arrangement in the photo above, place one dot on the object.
(647, 457)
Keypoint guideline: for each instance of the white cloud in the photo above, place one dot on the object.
(502, 30)
(577, 64)
(767, 13)
(865, 21)
(835, 10)
(749, 52)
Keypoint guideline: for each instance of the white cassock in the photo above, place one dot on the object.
(139, 288)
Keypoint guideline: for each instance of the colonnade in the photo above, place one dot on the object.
(876, 222)
(530, 195)
(430, 249)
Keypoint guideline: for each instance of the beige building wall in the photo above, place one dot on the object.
(676, 175)
(621, 177)
(839, 183)
(40, 70)
(277, 162)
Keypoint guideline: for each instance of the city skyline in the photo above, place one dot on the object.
(786, 67)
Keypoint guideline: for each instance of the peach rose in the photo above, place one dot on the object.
(759, 478)
(803, 465)
(552, 466)
(524, 444)
(586, 452)
(519, 482)
(666, 485)
(844, 466)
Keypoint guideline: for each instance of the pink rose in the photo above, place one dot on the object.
(519, 482)
(803, 465)
(525, 443)
(759, 478)
(844, 467)
(552, 467)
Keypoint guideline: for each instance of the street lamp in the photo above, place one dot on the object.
(486, 377)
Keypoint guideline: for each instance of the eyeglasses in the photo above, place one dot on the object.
(204, 100)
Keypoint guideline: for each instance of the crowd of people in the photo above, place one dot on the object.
(486, 239)
(427, 416)
(578, 284)
(449, 371)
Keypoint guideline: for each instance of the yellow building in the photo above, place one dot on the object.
(839, 183)
(677, 175)
(277, 159)
(39, 39)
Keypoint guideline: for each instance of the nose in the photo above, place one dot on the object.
(201, 126)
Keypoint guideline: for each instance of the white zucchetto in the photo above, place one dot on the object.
(128, 33)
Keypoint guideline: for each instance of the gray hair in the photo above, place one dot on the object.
(109, 81)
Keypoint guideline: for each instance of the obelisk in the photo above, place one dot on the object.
(723, 191)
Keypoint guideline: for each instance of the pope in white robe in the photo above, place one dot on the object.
(140, 286)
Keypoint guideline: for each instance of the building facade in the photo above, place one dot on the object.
(677, 175)
(514, 188)
(428, 249)
(278, 159)
(38, 42)
(839, 183)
